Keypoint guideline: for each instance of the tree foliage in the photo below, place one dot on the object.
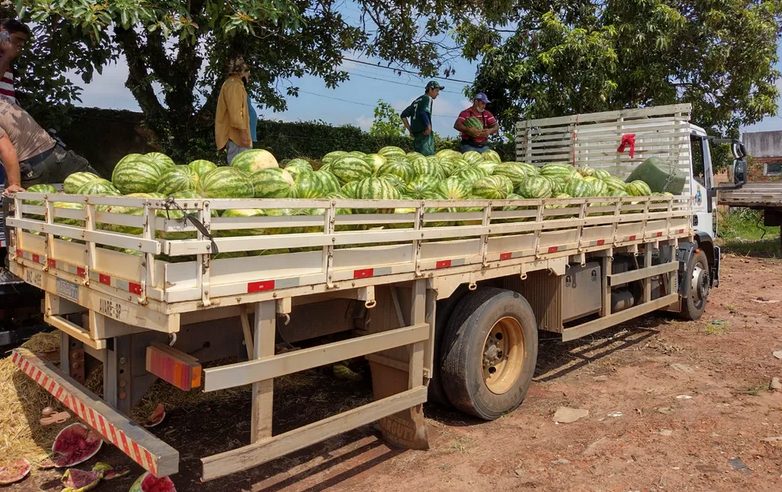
(542, 59)
(387, 122)
(176, 50)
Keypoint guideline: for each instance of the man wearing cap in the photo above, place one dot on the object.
(420, 114)
(473, 138)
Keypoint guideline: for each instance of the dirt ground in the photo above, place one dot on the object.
(672, 406)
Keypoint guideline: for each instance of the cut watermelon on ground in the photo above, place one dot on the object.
(75, 444)
(150, 483)
(14, 471)
(156, 417)
(75, 480)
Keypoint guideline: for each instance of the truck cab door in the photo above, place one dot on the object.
(702, 183)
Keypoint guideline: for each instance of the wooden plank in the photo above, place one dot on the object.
(260, 452)
(240, 373)
(74, 330)
(263, 388)
(612, 320)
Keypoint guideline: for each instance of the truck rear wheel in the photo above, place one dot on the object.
(698, 276)
(489, 353)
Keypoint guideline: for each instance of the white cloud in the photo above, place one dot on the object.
(364, 122)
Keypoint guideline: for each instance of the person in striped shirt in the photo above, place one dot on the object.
(14, 36)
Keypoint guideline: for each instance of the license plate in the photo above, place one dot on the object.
(68, 290)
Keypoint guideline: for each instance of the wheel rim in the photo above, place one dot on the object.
(699, 285)
(503, 355)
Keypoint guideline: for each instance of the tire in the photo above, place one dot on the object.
(699, 278)
(489, 353)
(445, 308)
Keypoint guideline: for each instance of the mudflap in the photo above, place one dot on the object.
(405, 429)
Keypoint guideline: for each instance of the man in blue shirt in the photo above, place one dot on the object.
(420, 115)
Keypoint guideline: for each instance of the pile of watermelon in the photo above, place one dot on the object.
(389, 174)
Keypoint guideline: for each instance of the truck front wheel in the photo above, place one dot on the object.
(698, 276)
(489, 353)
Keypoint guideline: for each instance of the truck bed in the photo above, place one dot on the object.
(753, 195)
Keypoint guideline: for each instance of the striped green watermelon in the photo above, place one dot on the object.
(421, 186)
(428, 167)
(376, 160)
(376, 189)
(579, 188)
(638, 188)
(453, 188)
(472, 157)
(614, 183)
(455, 165)
(396, 181)
(448, 154)
(272, 182)
(202, 166)
(135, 173)
(599, 188)
(98, 187)
(488, 166)
(74, 181)
(350, 168)
(253, 160)
(602, 174)
(410, 156)
(179, 178)
(296, 166)
(350, 190)
(357, 153)
(126, 210)
(585, 171)
(328, 182)
(558, 184)
(397, 167)
(308, 186)
(565, 170)
(528, 168)
(232, 213)
(492, 187)
(226, 182)
(470, 175)
(512, 171)
(160, 159)
(473, 122)
(329, 158)
(535, 187)
(513, 196)
(492, 156)
(390, 151)
(40, 188)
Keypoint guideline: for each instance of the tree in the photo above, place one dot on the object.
(176, 50)
(387, 122)
(571, 57)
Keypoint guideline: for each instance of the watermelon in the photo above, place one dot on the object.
(638, 188)
(512, 171)
(74, 181)
(579, 188)
(487, 166)
(470, 174)
(160, 159)
(390, 151)
(14, 471)
(453, 188)
(357, 153)
(148, 482)
(614, 183)
(558, 184)
(202, 166)
(136, 173)
(376, 160)
(307, 185)
(428, 167)
(253, 160)
(376, 189)
(513, 196)
(350, 168)
(242, 212)
(397, 167)
(136, 211)
(179, 178)
(350, 189)
(492, 187)
(448, 154)
(329, 158)
(395, 181)
(528, 168)
(75, 444)
(421, 186)
(472, 157)
(473, 122)
(410, 156)
(226, 182)
(601, 174)
(492, 156)
(535, 187)
(565, 171)
(599, 188)
(296, 166)
(40, 188)
(585, 171)
(98, 187)
(272, 182)
(453, 166)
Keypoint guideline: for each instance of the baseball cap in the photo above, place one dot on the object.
(482, 98)
(433, 84)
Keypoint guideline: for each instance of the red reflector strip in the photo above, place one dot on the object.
(36, 258)
(553, 249)
(51, 263)
(680, 231)
(631, 238)
(365, 273)
(659, 234)
(600, 242)
(18, 252)
(506, 256)
(104, 279)
(81, 272)
(443, 264)
(134, 288)
(261, 286)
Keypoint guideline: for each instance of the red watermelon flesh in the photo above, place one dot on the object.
(14, 471)
(75, 444)
(76, 479)
(150, 483)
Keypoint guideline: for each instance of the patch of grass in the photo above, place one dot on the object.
(460, 444)
(743, 233)
(716, 327)
(755, 390)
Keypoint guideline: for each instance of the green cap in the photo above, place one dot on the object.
(433, 84)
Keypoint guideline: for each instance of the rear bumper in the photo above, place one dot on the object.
(151, 453)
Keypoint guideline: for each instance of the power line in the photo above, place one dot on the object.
(405, 71)
(396, 82)
(357, 103)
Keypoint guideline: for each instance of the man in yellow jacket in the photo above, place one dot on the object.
(232, 119)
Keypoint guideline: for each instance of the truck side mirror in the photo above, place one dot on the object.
(739, 172)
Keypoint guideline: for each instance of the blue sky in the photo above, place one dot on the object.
(351, 103)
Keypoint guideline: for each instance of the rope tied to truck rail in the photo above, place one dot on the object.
(191, 217)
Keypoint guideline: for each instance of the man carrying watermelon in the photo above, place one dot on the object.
(420, 114)
(476, 123)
